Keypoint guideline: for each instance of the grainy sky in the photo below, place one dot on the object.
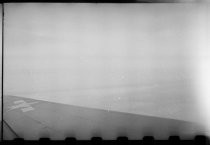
(65, 47)
(50, 47)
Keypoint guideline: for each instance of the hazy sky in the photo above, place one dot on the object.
(66, 46)
(62, 47)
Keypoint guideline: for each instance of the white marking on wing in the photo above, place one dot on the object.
(22, 104)
(19, 101)
(27, 109)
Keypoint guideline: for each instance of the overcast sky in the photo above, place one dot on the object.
(62, 47)
(68, 46)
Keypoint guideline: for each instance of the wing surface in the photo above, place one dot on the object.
(32, 119)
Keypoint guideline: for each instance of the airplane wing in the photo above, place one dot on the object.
(31, 119)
